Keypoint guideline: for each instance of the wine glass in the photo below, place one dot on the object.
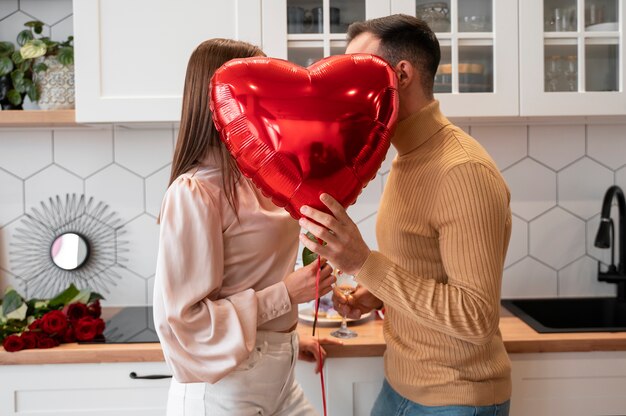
(553, 72)
(345, 285)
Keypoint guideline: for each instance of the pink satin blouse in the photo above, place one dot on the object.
(219, 280)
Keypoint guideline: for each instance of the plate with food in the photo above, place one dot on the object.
(327, 315)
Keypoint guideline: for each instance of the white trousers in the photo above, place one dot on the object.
(264, 384)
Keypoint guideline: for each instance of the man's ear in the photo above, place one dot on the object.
(406, 73)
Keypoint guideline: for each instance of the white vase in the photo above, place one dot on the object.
(56, 85)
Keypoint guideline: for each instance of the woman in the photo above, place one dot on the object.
(225, 292)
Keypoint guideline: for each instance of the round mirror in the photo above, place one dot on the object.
(69, 251)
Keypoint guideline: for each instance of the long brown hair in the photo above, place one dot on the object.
(197, 133)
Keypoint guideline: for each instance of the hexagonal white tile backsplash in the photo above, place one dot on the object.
(557, 175)
(556, 196)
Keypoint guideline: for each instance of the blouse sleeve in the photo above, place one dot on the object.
(203, 337)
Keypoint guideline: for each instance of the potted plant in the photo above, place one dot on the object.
(51, 63)
(16, 78)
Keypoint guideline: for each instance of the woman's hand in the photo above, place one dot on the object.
(309, 350)
(301, 283)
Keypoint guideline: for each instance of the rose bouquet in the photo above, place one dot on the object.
(72, 315)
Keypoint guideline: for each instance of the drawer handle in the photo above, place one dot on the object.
(134, 376)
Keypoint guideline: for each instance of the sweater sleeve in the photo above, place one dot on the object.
(203, 337)
(470, 216)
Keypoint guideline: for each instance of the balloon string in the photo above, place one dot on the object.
(321, 370)
(319, 345)
(317, 291)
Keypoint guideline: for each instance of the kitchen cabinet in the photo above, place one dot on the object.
(572, 57)
(467, 84)
(478, 74)
(98, 389)
(569, 383)
(131, 56)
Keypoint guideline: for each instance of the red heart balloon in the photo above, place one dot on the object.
(298, 132)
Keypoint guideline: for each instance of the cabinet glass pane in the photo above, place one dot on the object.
(601, 68)
(344, 12)
(560, 68)
(338, 49)
(476, 68)
(304, 56)
(443, 78)
(303, 16)
(560, 16)
(475, 15)
(435, 14)
(601, 15)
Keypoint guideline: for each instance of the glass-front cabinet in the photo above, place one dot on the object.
(305, 31)
(572, 57)
(478, 38)
(478, 71)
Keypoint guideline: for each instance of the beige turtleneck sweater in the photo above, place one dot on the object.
(443, 230)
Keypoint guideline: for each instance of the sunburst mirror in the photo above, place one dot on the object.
(68, 240)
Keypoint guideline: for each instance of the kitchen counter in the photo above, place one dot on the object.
(518, 338)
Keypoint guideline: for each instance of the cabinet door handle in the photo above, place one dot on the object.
(134, 376)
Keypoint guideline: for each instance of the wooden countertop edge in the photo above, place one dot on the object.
(518, 338)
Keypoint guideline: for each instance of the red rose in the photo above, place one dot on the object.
(75, 311)
(68, 336)
(99, 326)
(13, 343)
(94, 309)
(29, 339)
(85, 329)
(47, 342)
(35, 325)
(53, 322)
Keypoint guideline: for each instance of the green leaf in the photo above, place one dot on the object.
(64, 297)
(33, 49)
(82, 297)
(66, 56)
(32, 91)
(12, 301)
(6, 66)
(17, 77)
(19, 314)
(24, 65)
(40, 67)
(308, 256)
(14, 97)
(6, 48)
(16, 56)
(24, 36)
(36, 25)
(94, 296)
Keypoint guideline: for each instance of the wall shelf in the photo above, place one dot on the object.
(37, 118)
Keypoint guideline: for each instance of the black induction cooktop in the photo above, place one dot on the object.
(127, 325)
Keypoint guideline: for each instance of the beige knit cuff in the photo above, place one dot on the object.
(373, 271)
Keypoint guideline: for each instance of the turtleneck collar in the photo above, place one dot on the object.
(416, 129)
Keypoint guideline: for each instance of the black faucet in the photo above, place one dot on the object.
(606, 239)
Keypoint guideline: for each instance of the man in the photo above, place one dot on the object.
(443, 229)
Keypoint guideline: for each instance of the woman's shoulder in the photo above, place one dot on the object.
(202, 182)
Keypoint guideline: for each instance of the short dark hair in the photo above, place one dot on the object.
(404, 37)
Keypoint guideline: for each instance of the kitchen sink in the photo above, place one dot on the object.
(570, 314)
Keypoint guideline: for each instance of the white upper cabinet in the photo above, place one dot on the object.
(478, 74)
(572, 57)
(131, 56)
